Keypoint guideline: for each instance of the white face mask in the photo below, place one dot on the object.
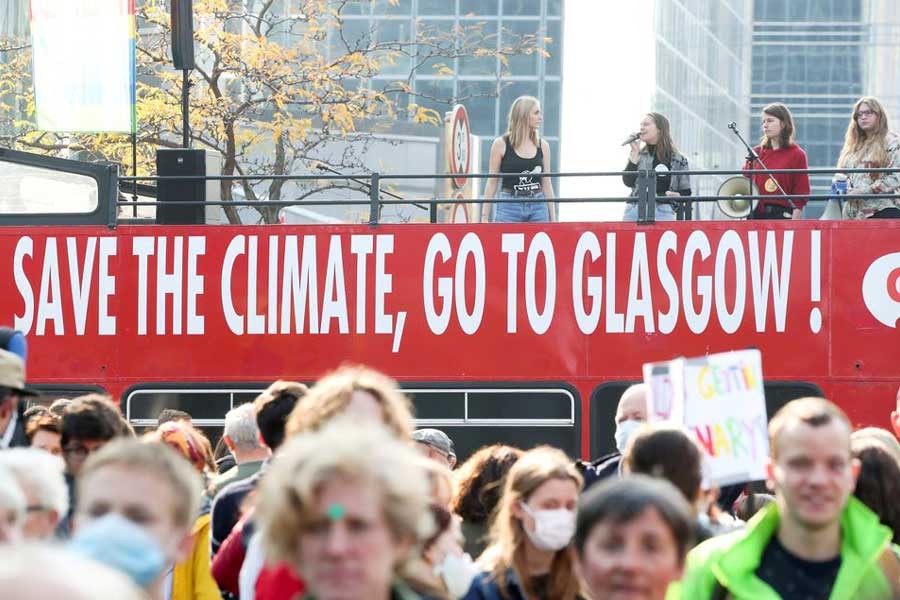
(458, 571)
(624, 431)
(553, 528)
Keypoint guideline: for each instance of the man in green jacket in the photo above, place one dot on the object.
(816, 540)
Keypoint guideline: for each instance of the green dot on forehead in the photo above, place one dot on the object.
(336, 512)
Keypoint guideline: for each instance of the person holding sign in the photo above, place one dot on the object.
(669, 452)
(815, 540)
(524, 154)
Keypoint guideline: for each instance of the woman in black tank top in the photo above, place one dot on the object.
(520, 151)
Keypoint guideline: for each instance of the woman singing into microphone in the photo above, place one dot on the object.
(658, 153)
(870, 144)
(777, 150)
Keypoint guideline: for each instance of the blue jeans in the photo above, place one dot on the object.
(664, 212)
(510, 209)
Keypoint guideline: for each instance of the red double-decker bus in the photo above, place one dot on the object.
(514, 333)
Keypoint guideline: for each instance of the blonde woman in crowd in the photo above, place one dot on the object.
(530, 553)
(869, 144)
(522, 151)
(347, 506)
(363, 396)
(356, 391)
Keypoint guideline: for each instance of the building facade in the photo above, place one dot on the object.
(703, 82)
(819, 57)
(689, 60)
(486, 86)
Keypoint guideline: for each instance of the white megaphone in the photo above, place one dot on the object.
(834, 212)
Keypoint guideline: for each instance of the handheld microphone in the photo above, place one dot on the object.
(631, 138)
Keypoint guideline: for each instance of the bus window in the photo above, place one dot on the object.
(606, 396)
(518, 416)
(207, 406)
(27, 189)
(472, 417)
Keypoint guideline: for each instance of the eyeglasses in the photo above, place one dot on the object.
(865, 113)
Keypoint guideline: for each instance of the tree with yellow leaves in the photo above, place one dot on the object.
(276, 83)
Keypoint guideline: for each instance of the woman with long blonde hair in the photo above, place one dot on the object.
(530, 554)
(870, 144)
(523, 154)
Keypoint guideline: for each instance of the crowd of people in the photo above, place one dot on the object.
(868, 144)
(330, 492)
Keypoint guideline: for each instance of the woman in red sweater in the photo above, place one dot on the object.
(777, 150)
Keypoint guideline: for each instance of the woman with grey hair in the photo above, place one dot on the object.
(348, 507)
(40, 477)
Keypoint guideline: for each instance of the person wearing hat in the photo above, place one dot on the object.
(12, 389)
(436, 445)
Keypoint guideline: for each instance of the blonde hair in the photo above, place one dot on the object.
(517, 129)
(160, 460)
(858, 142)
(507, 546)
(332, 394)
(342, 449)
(812, 411)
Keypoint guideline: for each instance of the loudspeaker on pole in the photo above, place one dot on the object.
(182, 22)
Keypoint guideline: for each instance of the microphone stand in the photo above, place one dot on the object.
(752, 157)
(324, 167)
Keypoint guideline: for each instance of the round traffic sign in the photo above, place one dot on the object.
(460, 145)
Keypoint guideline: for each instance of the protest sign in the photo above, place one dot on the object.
(719, 398)
(660, 391)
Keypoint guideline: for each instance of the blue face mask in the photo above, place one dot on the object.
(117, 542)
(624, 431)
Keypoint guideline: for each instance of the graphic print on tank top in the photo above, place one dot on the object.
(528, 185)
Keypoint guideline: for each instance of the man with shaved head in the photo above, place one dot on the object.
(816, 540)
(631, 412)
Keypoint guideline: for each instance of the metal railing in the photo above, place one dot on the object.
(644, 194)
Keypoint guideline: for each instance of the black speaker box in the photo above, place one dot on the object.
(182, 22)
(174, 162)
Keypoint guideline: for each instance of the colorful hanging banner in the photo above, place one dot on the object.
(84, 65)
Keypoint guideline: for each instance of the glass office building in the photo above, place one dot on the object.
(809, 55)
(819, 57)
(474, 81)
(703, 80)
